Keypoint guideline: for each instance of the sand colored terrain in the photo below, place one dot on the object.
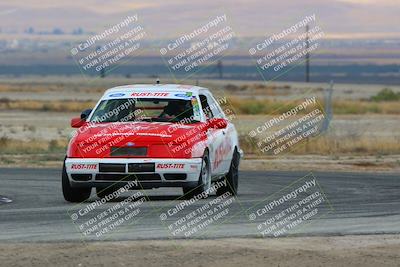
(374, 250)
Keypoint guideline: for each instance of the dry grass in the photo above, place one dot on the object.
(12, 146)
(48, 87)
(365, 107)
(257, 89)
(239, 105)
(55, 105)
(329, 145)
(356, 146)
(275, 107)
(262, 106)
(29, 88)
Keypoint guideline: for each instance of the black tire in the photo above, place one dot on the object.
(102, 192)
(203, 186)
(73, 194)
(232, 177)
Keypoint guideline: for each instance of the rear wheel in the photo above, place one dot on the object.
(204, 184)
(73, 194)
(232, 177)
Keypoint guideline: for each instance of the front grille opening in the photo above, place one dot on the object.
(141, 167)
(81, 177)
(175, 176)
(111, 167)
(128, 151)
(130, 177)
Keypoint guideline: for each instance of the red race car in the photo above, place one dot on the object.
(151, 136)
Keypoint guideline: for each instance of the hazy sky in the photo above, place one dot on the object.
(171, 18)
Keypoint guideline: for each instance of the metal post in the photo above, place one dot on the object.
(307, 56)
(328, 108)
(219, 66)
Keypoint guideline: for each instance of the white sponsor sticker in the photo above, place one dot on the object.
(175, 166)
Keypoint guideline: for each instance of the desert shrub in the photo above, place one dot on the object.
(386, 94)
(3, 141)
(252, 107)
(231, 87)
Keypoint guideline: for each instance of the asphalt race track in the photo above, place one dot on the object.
(359, 203)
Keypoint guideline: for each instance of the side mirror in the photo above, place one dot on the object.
(218, 123)
(85, 114)
(77, 122)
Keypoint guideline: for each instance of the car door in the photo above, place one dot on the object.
(225, 150)
(216, 137)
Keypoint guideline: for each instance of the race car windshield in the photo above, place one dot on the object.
(144, 109)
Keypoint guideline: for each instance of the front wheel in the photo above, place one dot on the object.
(73, 194)
(231, 178)
(204, 184)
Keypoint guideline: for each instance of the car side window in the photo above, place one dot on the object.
(206, 107)
(215, 108)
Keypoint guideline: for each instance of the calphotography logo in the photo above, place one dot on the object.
(291, 208)
(108, 49)
(201, 47)
(288, 129)
(194, 218)
(282, 51)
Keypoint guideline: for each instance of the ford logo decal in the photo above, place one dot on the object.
(130, 144)
(183, 96)
(116, 95)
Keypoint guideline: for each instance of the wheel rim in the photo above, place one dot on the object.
(205, 175)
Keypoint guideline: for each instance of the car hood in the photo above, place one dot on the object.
(151, 132)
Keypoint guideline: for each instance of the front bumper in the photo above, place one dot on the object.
(144, 172)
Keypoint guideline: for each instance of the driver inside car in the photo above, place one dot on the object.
(176, 110)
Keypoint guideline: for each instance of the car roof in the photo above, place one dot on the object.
(157, 87)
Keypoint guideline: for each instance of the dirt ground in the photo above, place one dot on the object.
(387, 163)
(370, 250)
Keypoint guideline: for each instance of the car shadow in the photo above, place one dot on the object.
(148, 198)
